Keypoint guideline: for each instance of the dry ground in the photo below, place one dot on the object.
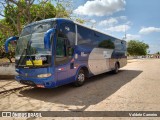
(134, 88)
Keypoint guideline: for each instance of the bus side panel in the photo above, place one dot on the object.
(112, 62)
(81, 57)
(99, 60)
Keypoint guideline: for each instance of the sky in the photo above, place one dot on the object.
(139, 18)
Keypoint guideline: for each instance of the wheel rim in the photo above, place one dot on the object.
(81, 77)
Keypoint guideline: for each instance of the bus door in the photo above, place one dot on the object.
(64, 53)
(63, 62)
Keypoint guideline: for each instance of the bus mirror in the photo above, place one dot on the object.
(11, 39)
(47, 38)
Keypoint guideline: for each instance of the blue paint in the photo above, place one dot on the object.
(31, 74)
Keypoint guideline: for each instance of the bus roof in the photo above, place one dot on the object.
(65, 19)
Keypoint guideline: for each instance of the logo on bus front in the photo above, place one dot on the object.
(41, 58)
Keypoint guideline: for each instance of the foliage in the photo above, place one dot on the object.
(137, 47)
(21, 13)
(80, 20)
(17, 13)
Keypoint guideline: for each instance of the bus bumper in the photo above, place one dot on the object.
(48, 82)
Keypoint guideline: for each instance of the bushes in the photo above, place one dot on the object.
(8, 55)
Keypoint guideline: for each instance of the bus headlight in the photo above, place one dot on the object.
(44, 75)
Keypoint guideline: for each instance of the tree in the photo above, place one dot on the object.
(137, 47)
(80, 20)
(17, 13)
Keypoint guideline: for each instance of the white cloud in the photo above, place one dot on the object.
(108, 22)
(123, 17)
(119, 28)
(149, 30)
(129, 23)
(132, 37)
(113, 21)
(100, 7)
(93, 21)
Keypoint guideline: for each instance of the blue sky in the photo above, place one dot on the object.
(140, 18)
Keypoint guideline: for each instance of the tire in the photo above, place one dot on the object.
(80, 78)
(115, 71)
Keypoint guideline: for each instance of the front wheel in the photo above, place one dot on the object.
(80, 78)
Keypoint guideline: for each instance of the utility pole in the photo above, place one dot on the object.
(125, 32)
(125, 35)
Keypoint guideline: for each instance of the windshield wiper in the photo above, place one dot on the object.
(22, 58)
(29, 46)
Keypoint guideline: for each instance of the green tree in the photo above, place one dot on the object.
(18, 13)
(137, 47)
(80, 20)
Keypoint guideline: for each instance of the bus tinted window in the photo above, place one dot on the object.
(85, 36)
(108, 44)
(65, 43)
(67, 30)
(93, 38)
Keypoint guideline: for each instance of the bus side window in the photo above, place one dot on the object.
(60, 49)
(67, 30)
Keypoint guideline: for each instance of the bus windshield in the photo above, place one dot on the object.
(30, 45)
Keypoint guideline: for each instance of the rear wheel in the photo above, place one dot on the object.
(115, 71)
(80, 78)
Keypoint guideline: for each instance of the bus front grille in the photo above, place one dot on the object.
(27, 82)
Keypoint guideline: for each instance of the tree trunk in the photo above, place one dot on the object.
(10, 59)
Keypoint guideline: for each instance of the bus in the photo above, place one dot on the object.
(57, 51)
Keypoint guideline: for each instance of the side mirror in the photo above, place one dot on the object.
(14, 38)
(47, 38)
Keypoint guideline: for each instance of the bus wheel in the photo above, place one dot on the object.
(115, 71)
(80, 78)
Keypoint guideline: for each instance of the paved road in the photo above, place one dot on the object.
(134, 88)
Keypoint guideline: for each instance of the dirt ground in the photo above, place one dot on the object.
(134, 88)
